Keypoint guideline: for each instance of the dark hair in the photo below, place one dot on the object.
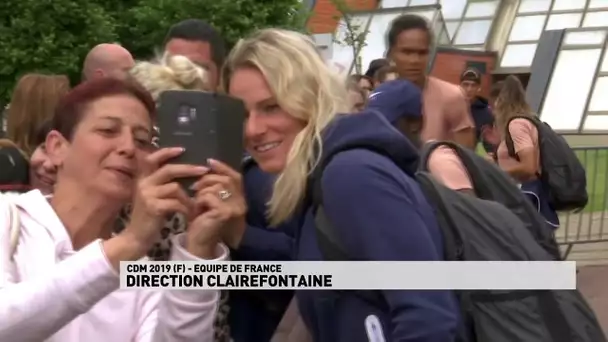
(408, 22)
(358, 77)
(42, 132)
(71, 108)
(199, 31)
(380, 75)
(352, 85)
(375, 65)
(495, 89)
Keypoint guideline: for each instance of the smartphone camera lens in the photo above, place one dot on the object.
(183, 116)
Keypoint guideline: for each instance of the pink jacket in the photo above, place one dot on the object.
(55, 294)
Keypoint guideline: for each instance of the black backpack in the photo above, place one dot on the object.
(475, 229)
(563, 175)
(14, 170)
(492, 184)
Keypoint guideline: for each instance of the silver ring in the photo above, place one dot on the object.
(224, 194)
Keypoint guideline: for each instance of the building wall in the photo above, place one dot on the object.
(450, 63)
(326, 16)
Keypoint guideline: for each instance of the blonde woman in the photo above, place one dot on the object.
(60, 281)
(370, 197)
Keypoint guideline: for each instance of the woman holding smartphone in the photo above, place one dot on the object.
(376, 207)
(59, 280)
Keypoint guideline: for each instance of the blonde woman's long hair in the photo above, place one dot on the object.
(510, 101)
(304, 87)
(170, 72)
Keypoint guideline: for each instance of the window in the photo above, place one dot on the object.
(596, 123)
(473, 32)
(452, 9)
(451, 27)
(426, 14)
(595, 19)
(569, 88)
(518, 55)
(527, 28)
(604, 67)
(563, 21)
(598, 3)
(473, 48)
(599, 100)
(585, 38)
(422, 2)
(393, 3)
(481, 9)
(375, 41)
(529, 6)
(441, 34)
(560, 5)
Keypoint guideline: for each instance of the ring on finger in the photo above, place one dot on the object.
(224, 194)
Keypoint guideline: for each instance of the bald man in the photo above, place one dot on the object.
(107, 60)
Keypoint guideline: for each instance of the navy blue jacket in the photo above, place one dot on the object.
(254, 315)
(482, 116)
(380, 213)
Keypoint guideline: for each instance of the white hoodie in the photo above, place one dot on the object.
(62, 295)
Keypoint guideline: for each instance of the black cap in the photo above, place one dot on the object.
(471, 74)
(14, 170)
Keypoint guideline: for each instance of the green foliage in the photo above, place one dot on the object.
(53, 36)
(49, 36)
(145, 25)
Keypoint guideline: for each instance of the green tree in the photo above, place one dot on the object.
(49, 36)
(144, 26)
(54, 36)
(352, 32)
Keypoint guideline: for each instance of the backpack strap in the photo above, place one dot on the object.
(329, 242)
(426, 151)
(10, 236)
(509, 139)
(467, 157)
(511, 146)
(13, 224)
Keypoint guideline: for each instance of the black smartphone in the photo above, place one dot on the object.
(206, 124)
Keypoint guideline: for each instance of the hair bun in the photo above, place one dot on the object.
(184, 71)
(171, 72)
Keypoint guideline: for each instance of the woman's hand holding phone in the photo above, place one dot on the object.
(222, 206)
(158, 195)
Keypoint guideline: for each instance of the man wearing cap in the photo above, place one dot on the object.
(470, 81)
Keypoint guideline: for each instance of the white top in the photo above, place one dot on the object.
(63, 295)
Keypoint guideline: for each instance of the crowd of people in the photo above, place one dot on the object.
(95, 190)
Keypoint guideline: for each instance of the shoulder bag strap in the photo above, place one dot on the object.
(10, 238)
(14, 229)
(292, 327)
